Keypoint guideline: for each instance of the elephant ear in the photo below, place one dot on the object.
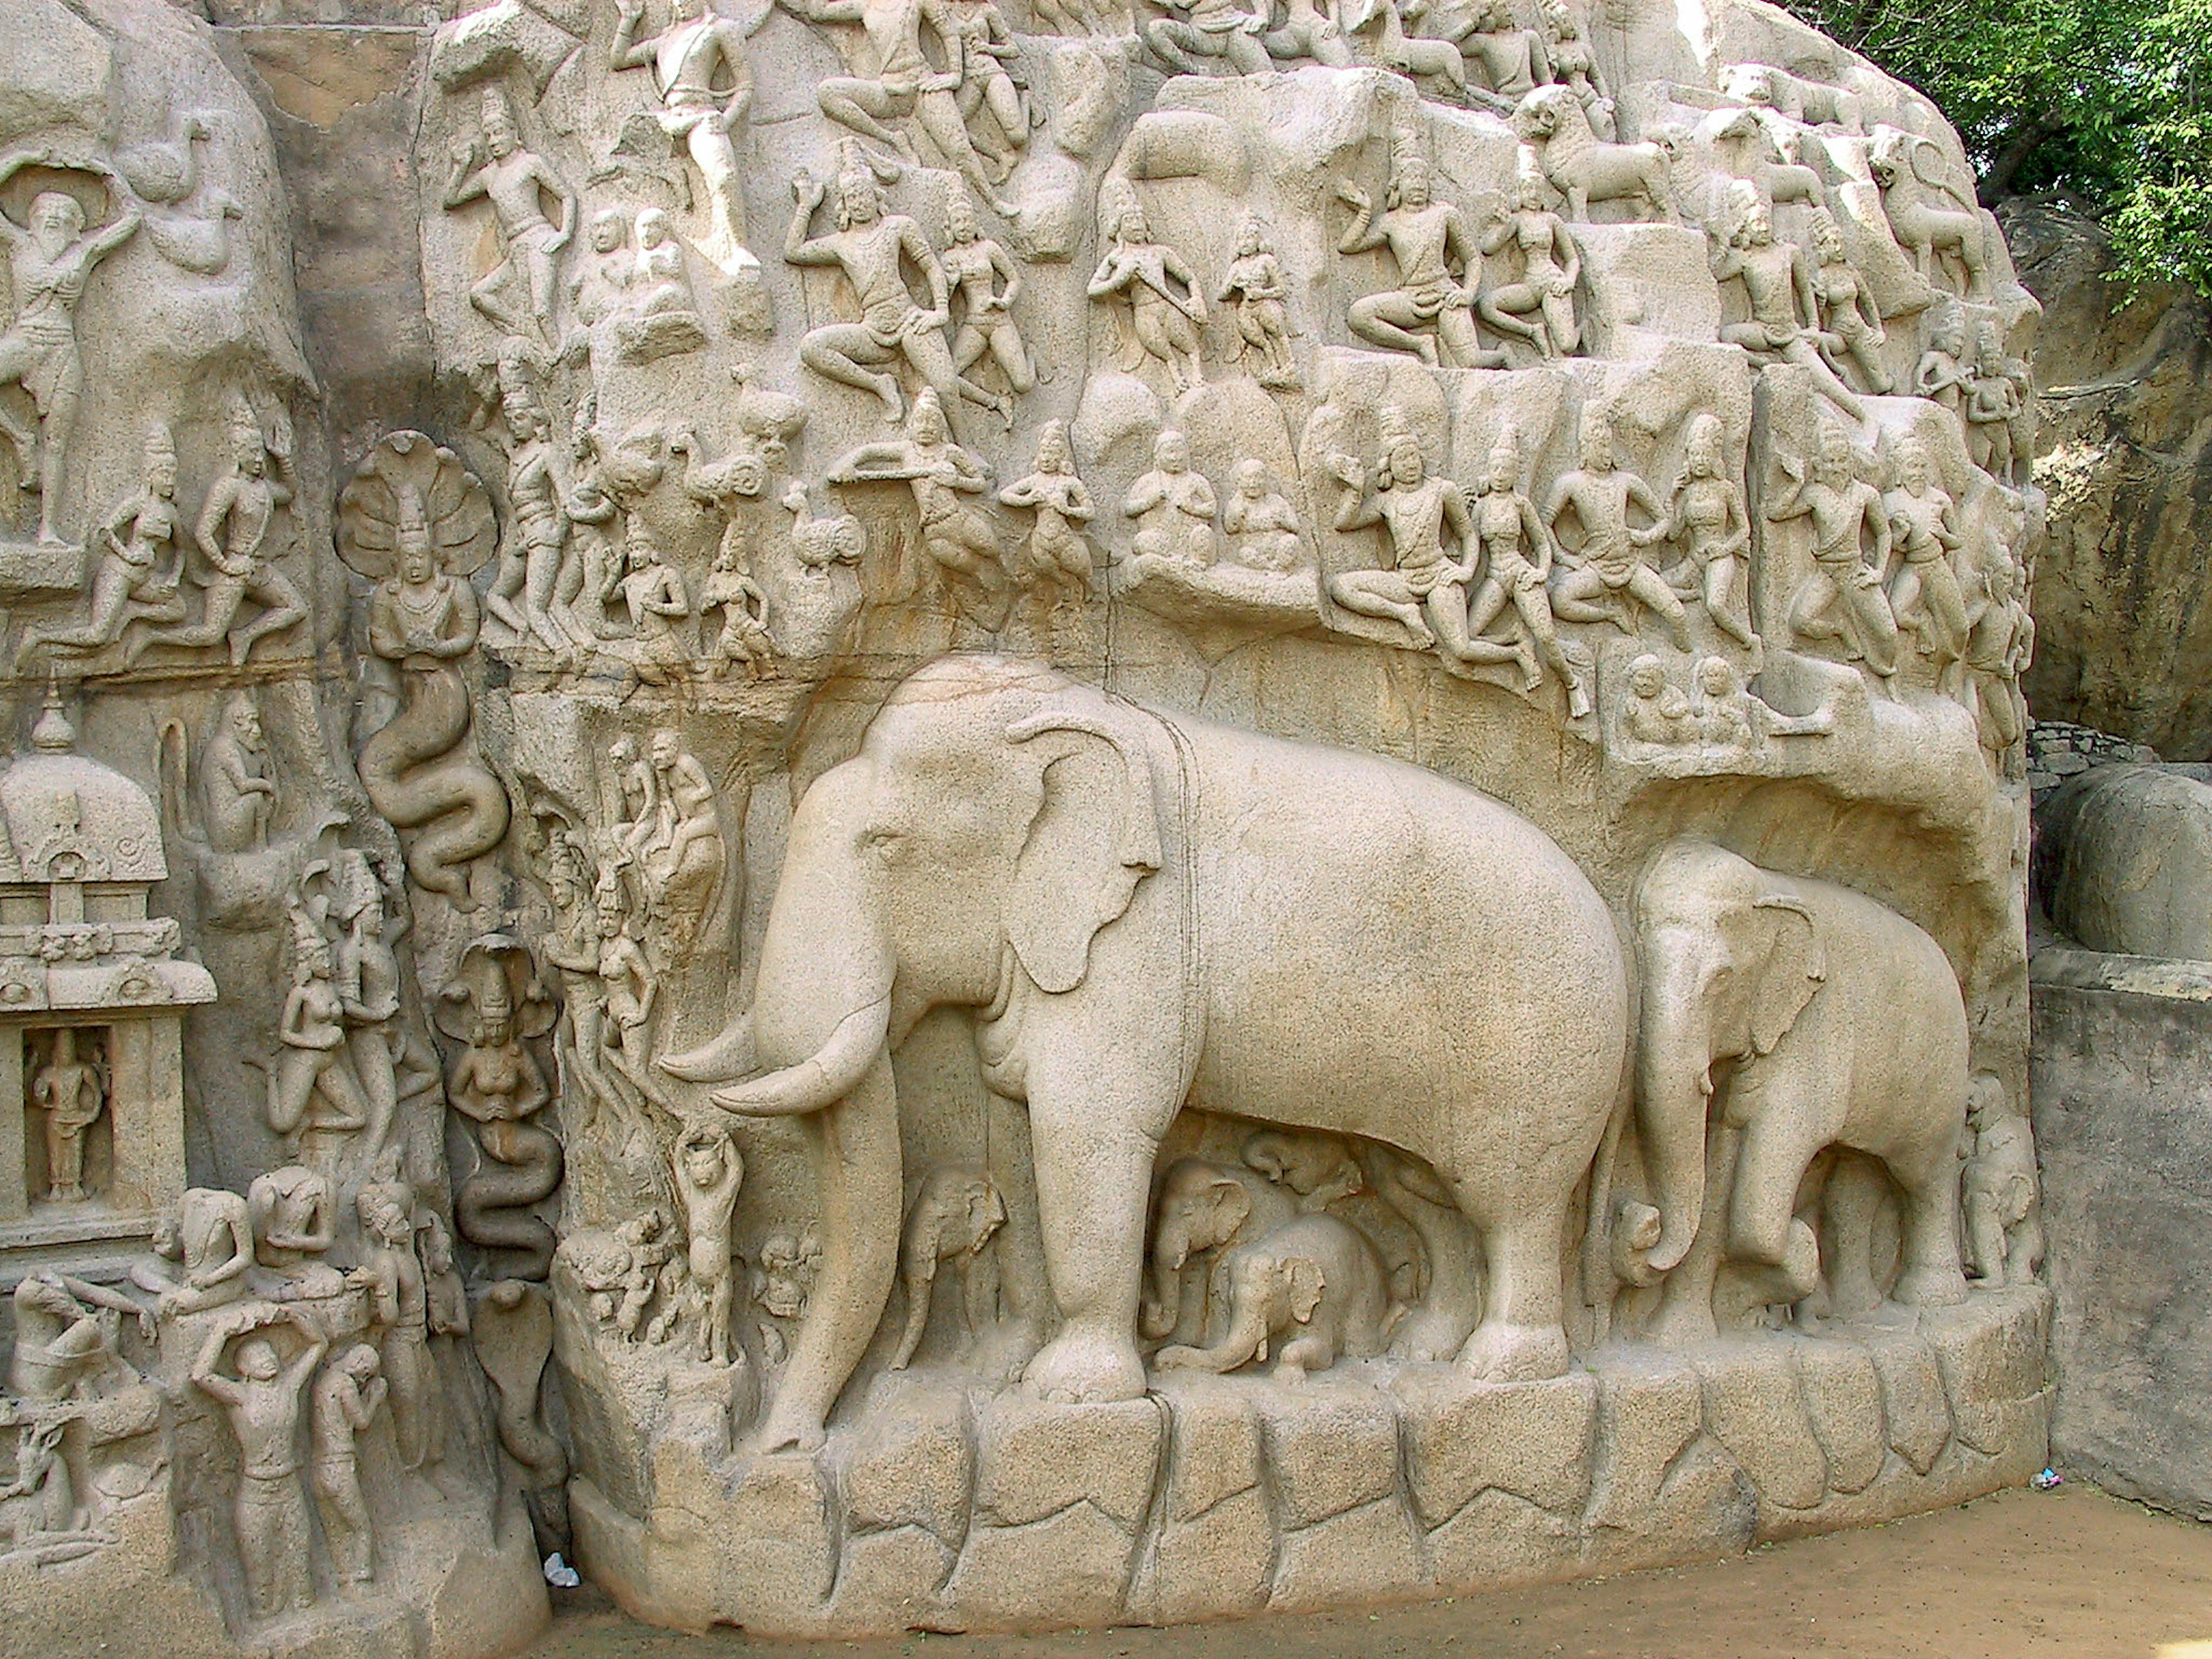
(1303, 1280)
(1796, 965)
(1095, 835)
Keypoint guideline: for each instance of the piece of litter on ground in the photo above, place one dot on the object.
(559, 1574)
(2045, 1479)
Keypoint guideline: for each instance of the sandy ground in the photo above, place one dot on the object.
(2071, 1572)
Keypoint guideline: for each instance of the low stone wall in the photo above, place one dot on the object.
(948, 1507)
(2122, 1100)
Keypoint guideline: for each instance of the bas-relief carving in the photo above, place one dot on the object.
(731, 1031)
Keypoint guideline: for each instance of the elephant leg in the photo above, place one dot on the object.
(1764, 1227)
(920, 1279)
(1848, 1207)
(858, 1141)
(1094, 1173)
(1019, 1249)
(1933, 1277)
(1522, 1337)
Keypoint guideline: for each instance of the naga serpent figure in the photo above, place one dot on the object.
(499, 1085)
(414, 769)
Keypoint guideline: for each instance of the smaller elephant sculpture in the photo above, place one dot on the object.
(1997, 1188)
(1203, 1208)
(1313, 1289)
(956, 1215)
(1318, 1167)
(1798, 1016)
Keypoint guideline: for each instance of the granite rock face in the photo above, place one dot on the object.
(758, 750)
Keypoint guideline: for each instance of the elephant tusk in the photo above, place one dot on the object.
(820, 1080)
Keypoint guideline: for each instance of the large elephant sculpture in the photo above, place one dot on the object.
(1148, 912)
(1799, 1015)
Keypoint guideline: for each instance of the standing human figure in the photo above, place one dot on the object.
(72, 1091)
(1926, 596)
(699, 69)
(262, 1403)
(1707, 517)
(312, 1063)
(988, 283)
(1254, 281)
(1167, 307)
(52, 262)
(346, 1397)
(515, 183)
(399, 1304)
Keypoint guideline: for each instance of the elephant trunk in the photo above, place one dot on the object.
(1163, 1309)
(1247, 1335)
(1674, 1087)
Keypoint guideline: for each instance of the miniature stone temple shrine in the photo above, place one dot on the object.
(993, 814)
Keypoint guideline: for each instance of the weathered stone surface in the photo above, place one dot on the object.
(1036, 1459)
(1071, 1567)
(1330, 1449)
(912, 1466)
(1842, 1397)
(1914, 1407)
(1499, 1538)
(1531, 1439)
(1220, 1560)
(1365, 1554)
(1992, 1366)
(1757, 1410)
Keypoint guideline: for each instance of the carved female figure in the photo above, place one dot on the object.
(1943, 374)
(1167, 307)
(52, 262)
(1706, 517)
(1550, 265)
(135, 582)
(988, 283)
(1517, 551)
(685, 858)
(1255, 282)
(1992, 405)
(392, 1274)
(1057, 553)
(312, 1063)
(1849, 320)
(232, 538)
(744, 637)
(497, 1084)
(631, 991)
(367, 979)
(1842, 597)
(1575, 67)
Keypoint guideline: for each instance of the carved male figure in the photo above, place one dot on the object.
(699, 69)
(346, 1397)
(1426, 238)
(1842, 597)
(1254, 282)
(515, 183)
(1173, 506)
(1518, 556)
(209, 1237)
(940, 470)
(1205, 35)
(1610, 564)
(237, 794)
(66, 1336)
(1057, 554)
(871, 247)
(262, 1401)
(52, 262)
(1784, 303)
(232, 536)
(1706, 517)
(1262, 525)
(1167, 307)
(392, 1274)
(72, 1092)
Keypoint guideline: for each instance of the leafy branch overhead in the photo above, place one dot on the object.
(2102, 101)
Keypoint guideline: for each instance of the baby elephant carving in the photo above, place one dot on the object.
(1318, 1167)
(1313, 1289)
(1204, 1207)
(955, 1215)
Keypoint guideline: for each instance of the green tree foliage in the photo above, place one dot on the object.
(2103, 101)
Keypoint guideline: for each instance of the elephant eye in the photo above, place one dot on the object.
(882, 838)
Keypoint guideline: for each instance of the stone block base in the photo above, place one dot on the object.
(945, 1506)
